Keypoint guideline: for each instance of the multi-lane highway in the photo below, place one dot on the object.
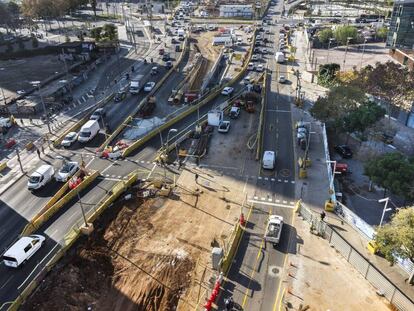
(254, 280)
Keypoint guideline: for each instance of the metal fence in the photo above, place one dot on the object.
(390, 291)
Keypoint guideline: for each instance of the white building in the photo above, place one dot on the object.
(236, 10)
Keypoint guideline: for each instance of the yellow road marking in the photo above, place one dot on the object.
(254, 269)
(284, 264)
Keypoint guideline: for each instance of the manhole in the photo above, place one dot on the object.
(275, 270)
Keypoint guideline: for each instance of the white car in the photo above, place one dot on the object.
(250, 66)
(67, 171)
(267, 31)
(260, 68)
(282, 79)
(97, 114)
(224, 127)
(69, 139)
(255, 57)
(264, 51)
(149, 86)
(234, 112)
(227, 90)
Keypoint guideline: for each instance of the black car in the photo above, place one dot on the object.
(344, 151)
(120, 95)
(256, 50)
(166, 57)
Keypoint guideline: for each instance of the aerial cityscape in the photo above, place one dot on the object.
(222, 155)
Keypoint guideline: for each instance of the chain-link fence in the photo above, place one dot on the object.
(383, 285)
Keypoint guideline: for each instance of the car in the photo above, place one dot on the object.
(264, 51)
(259, 37)
(154, 70)
(22, 250)
(260, 68)
(21, 92)
(265, 40)
(69, 139)
(149, 86)
(282, 79)
(97, 114)
(344, 151)
(258, 43)
(168, 64)
(67, 171)
(120, 95)
(255, 57)
(250, 66)
(166, 57)
(256, 50)
(224, 127)
(267, 31)
(227, 91)
(234, 112)
(248, 80)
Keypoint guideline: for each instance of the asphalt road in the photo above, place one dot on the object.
(56, 228)
(255, 276)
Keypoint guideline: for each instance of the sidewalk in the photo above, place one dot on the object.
(317, 183)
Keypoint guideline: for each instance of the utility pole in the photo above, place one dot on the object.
(83, 211)
(346, 51)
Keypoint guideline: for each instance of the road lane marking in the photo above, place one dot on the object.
(47, 255)
(8, 280)
(272, 204)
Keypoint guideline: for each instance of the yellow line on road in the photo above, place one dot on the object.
(254, 269)
(252, 274)
(275, 305)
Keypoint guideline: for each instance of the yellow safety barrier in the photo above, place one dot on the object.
(42, 218)
(81, 122)
(3, 165)
(144, 100)
(234, 242)
(372, 247)
(29, 146)
(154, 132)
(115, 133)
(71, 237)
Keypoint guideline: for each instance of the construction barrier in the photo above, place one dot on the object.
(70, 238)
(144, 100)
(81, 122)
(40, 219)
(234, 242)
(261, 119)
(3, 165)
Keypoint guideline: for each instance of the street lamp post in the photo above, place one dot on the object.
(363, 51)
(83, 211)
(346, 51)
(37, 84)
(329, 47)
(385, 208)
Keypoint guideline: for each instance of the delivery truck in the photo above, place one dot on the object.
(136, 84)
(274, 229)
(280, 57)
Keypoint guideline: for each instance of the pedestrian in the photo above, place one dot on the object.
(38, 153)
(323, 215)
(21, 121)
(43, 150)
(196, 177)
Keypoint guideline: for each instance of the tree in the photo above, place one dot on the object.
(96, 33)
(111, 32)
(342, 33)
(325, 34)
(13, 8)
(5, 16)
(327, 74)
(390, 81)
(93, 4)
(339, 102)
(397, 237)
(394, 172)
(364, 116)
(382, 33)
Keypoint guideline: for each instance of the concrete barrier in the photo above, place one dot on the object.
(3, 165)
(40, 219)
(81, 122)
(144, 100)
(234, 243)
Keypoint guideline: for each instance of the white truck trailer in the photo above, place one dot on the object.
(136, 84)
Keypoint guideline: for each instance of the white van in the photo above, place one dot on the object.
(40, 177)
(22, 250)
(88, 131)
(269, 159)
